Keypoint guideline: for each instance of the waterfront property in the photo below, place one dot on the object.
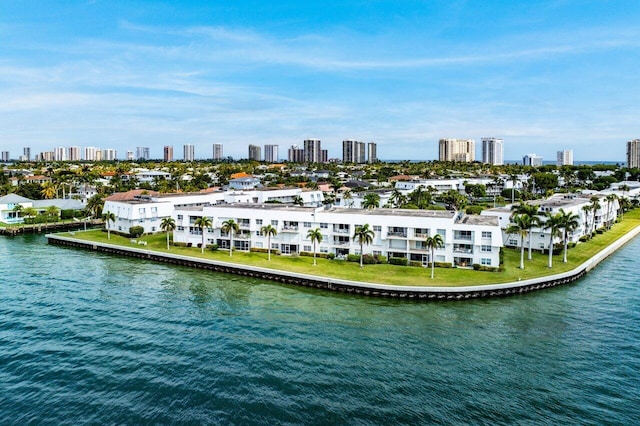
(469, 239)
(12, 206)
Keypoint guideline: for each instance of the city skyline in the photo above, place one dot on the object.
(541, 76)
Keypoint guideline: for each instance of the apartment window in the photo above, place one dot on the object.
(258, 245)
(324, 225)
(486, 234)
(258, 221)
(154, 210)
(377, 228)
(377, 253)
(180, 228)
(274, 222)
(485, 261)
(180, 217)
(141, 210)
(324, 250)
(512, 242)
(307, 248)
(485, 249)
(306, 224)
(443, 233)
(275, 246)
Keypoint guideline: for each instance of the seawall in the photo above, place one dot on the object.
(425, 293)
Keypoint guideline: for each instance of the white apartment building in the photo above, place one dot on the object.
(633, 153)
(564, 158)
(532, 160)
(398, 233)
(74, 153)
(189, 152)
(493, 151)
(570, 203)
(468, 240)
(149, 210)
(271, 153)
(217, 152)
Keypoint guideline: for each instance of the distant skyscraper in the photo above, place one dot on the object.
(99, 155)
(565, 158)
(142, 153)
(217, 152)
(90, 153)
(532, 160)
(129, 156)
(5, 156)
(372, 152)
(255, 153)
(353, 151)
(633, 153)
(295, 154)
(74, 153)
(168, 153)
(312, 151)
(27, 153)
(492, 151)
(60, 153)
(109, 154)
(271, 153)
(458, 150)
(189, 152)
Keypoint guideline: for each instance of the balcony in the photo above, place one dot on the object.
(289, 228)
(341, 242)
(340, 230)
(421, 235)
(397, 234)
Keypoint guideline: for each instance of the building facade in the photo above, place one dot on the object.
(217, 152)
(255, 153)
(189, 152)
(633, 153)
(457, 150)
(167, 153)
(564, 158)
(142, 153)
(295, 154)
(468, 240)
(493, 151)
(271, 153)
(532, 160)
(313, 151)
(353, 151)
(5, 156)
(74, 153)
(372, 152)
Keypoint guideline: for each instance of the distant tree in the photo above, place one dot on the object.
(371, 201)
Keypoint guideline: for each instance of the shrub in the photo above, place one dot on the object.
(443, 265)
(415, 263)
(400, 261)
(474, 209)
(136, 231)
(353, 258)
(584, 238)
(263, 250)
(318, 255)
(571, 245)
(213, 247)
(485, 268)
(68, 214)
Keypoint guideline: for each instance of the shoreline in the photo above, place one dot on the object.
(357, 287)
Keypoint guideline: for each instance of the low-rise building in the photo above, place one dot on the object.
(469, 239)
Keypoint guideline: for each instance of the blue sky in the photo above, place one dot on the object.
(542, 75)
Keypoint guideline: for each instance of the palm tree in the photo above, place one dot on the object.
(397, 198)
(108, 217)
(348, 196)
(514, 179)
(520, 225)
(568, 223)
(595, 206)
(48, 190)
(269, 231)
(18, 210)
(553, 223)
(29, 212)
(531, 211)
(371, 201)
(433, 243)
(168, 224)
(297, 200)
(203, 222)
(586, 209)
(95, 205)
(610, 200)
(53, 212)
(315, 235)
(230, 226)
(364, 235)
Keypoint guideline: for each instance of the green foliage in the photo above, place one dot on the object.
(136, 231)
(415, 263)
(264, 250)
(474, 209)
(485, 268)
(68, 214)
(400, 261)
(329, 256)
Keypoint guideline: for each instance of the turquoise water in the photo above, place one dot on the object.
(89, 338)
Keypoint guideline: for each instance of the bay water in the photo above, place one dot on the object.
(88, 338)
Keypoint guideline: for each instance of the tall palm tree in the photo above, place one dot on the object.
(95, 205)
(230, 226)
(624, 188)
(397, 198)
(520, 225)
(514, 179)
(108, 217)
(532, 211)
(168, 224)
(433, 243)
(587, 210)
(371, 201)
(269, 231)
(315, 235)
(611, 198)
(553, 223)
(49, 190)
(568, 223)
(595, 206)
(348, 196)
(203, 222)
(363, 235)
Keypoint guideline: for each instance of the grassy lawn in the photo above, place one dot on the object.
(392, 274)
